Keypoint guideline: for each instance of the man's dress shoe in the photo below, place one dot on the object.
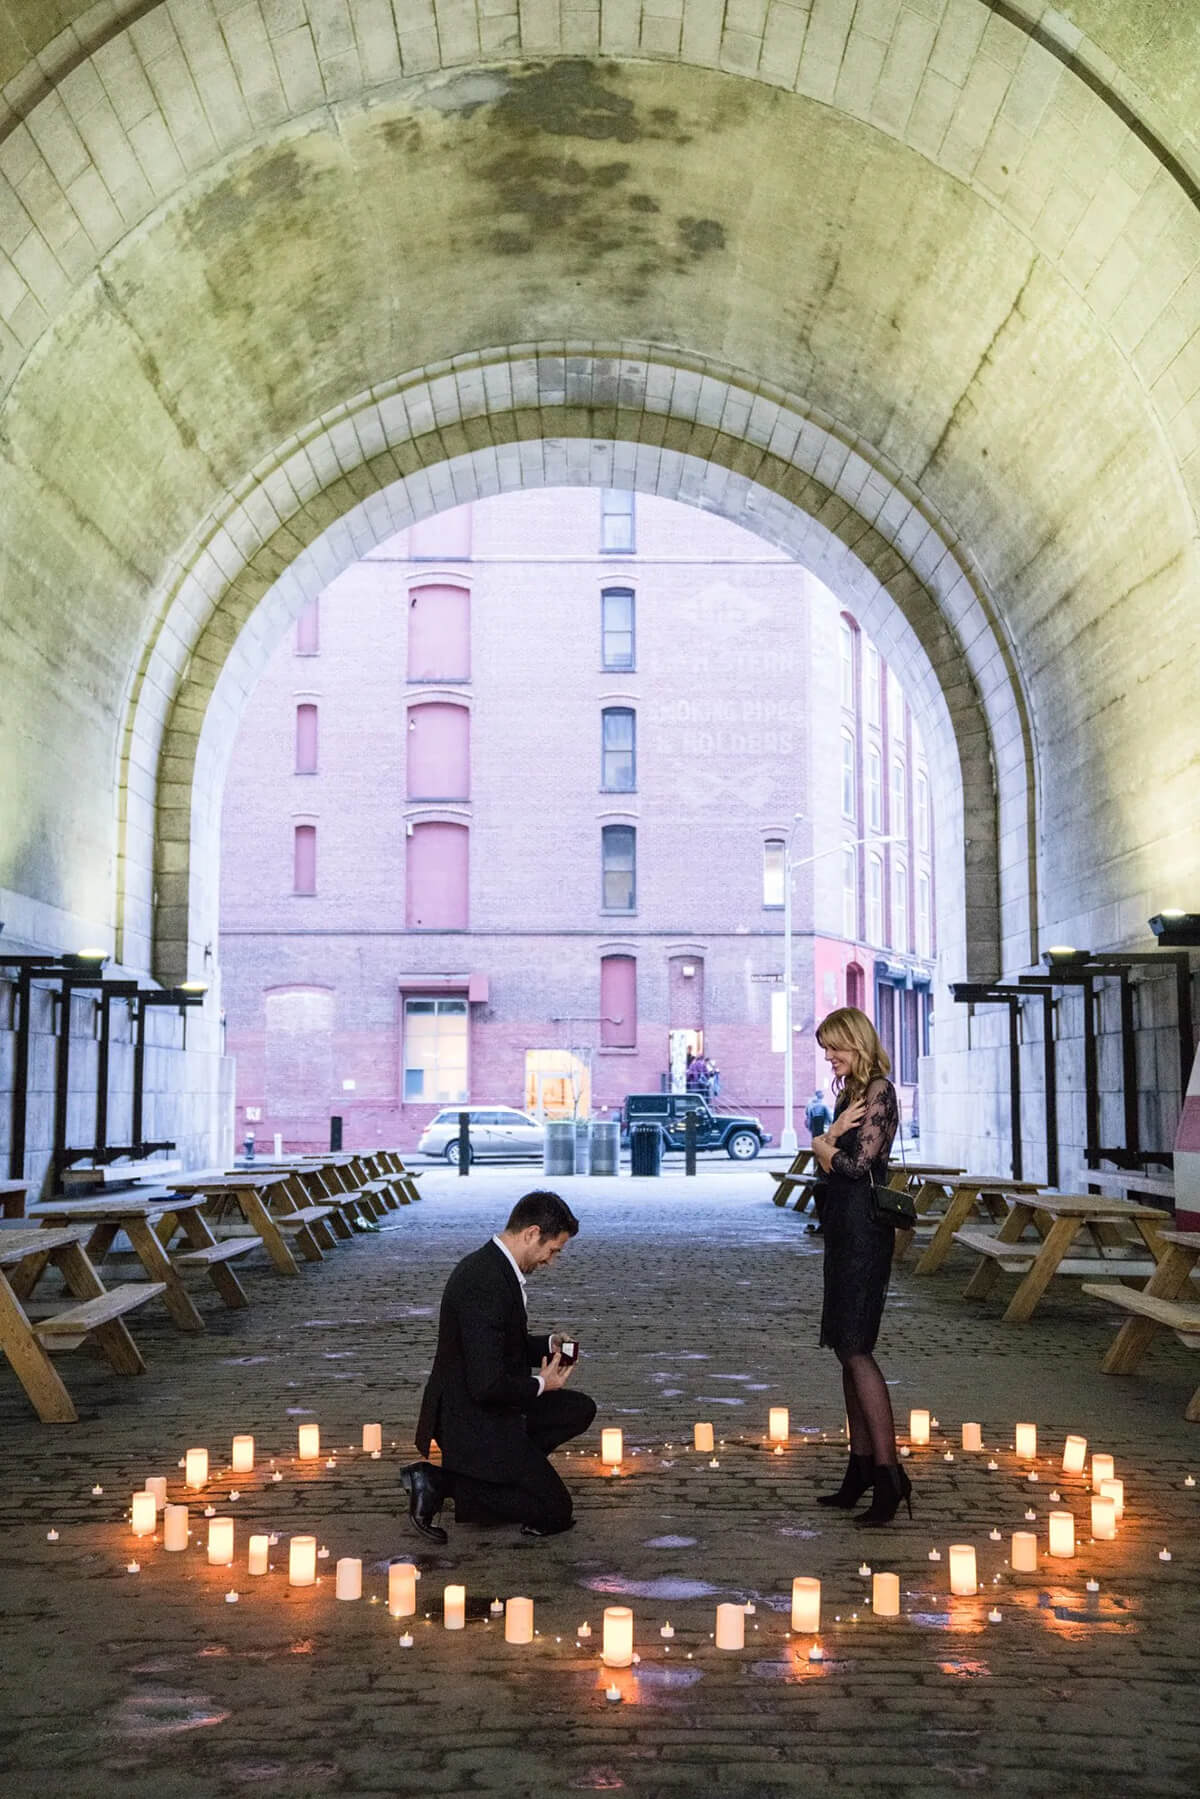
(535, 1530)
(423, 1485)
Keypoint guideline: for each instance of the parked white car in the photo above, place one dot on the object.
(496, 1131)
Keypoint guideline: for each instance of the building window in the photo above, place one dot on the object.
(308, 630)
(774, 871)
(437, 868)
(438, 764)
(306, 740)
(898, 818)
(909, 1035)
(924, 920)
(885, 1017)
(871, 679)
(849, 807)
(855, 985)
(439, 633)
(900, 907)
(921, 808)
(435, 1051)
(618, 1002)
(616, 519)
(619, 853)
(304, 859)
(874, 899)
(616, 627)
(895, 704)
(618, 759)
(846, 640)
(874, 789)
(849, 893)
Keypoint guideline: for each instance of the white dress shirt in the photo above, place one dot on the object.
(505, 1251)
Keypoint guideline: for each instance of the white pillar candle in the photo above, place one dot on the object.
(778, 1424)
(1024, 1551)
(731, 1626)
(518, 1621)
(454, 1607)
(158, 1486)
(611, 1448)
(806, 1604)
(402, 1589)
(1062, 1534)
(972, 1436)
(1104, 1517)
(1025, 1441)
(302, 1562)
(175, 1527)
(348, 1580)
(1074, 1455)
(963, 1577)
(260, 1549)
(310, 1442)
(702, 1438)
(195, 1468)
(243, 1455)
(1103, 1468)
(885, 1595)
(1115, 1490)
(142, 1514)
(617, 1643)
(372, 1436)
(918, 1427)
(220, 1542)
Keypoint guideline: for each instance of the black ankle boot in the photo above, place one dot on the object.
(892, 1487)
(860, 1470)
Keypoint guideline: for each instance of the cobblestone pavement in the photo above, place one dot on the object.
(693, 1300)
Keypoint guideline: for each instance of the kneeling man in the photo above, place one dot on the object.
(495, 1421)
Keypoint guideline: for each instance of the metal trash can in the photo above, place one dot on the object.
(606, 1146)
(558, 1156)
(583, 1147)
(645, 1149)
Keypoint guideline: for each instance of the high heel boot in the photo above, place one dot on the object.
(859, 1474)
(892, 1488)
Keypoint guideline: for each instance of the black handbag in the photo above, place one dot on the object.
(894, 1206)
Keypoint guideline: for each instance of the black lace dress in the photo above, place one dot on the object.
(858, 1249)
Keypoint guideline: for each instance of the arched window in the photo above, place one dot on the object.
(436, 877)
(846, 643)
(304, 859)
(618, 1002)
(849, 892)
(439, 751)
(617, 618)
(618, 757)
(924, 918)
(855, 985)
(774, 871)
(306, 740)
(619, 862)
(849, 797)
(900, 907)
(874, 789)
(439, 632)
(875, 899)
(898, 811)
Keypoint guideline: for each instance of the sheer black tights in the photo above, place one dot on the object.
(868, 1409)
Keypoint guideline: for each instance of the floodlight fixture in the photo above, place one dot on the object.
(1176, 929)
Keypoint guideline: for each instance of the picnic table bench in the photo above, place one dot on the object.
(317, 1184)
(119, 1174)
(1124, 1182)
(963, 1196)
(98, 1313)
(269, 1206)
(1160, 1305)
(12, 1198)
(1116, 1231)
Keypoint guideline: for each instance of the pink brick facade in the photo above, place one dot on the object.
(457, 941)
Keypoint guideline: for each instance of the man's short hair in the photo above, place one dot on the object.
(551, 1214)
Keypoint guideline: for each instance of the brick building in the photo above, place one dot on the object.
(509, 816)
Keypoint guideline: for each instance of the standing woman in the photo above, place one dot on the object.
(853, 1155)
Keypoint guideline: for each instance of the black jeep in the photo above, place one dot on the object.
(739, 1137)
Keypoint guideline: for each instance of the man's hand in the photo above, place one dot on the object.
(555, 1373)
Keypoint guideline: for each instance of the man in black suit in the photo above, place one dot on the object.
(495, 1421)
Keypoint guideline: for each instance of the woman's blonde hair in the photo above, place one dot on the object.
(852, 1032)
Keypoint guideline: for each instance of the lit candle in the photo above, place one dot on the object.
(1062, 1534)
(731, 1626)
(454, 1607)
(702, 1438)
(1103, 1468)
(885, 1595)
(518, 1621)
(175, 1527)
(348, 1580)
(1074, 1455)
(1115, 1490)
(158, 1486)
(243, 1455)
(617, 1643)
(918, 1428)
(310, 1442)
(972, 1436)
(143, 1514)
(302, 1562)
(220, 1542)
(259, 1550)
(372, 1437)
(806, 1604)
(611, 1448)
(1025, 1441)
(402, 1589)
(195, 1471)
(778, 1424)
(667, 1629)
(1104, 1517)
(963, 1577)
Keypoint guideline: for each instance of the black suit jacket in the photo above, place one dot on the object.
(480, 1387)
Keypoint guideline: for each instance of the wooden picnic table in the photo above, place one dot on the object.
(25, 1255)
(965, 1195)
(1059, 1218)
(801, 1173)
(12, 1198)
(254, 1193)
(1159, 1305)
(151, 1222)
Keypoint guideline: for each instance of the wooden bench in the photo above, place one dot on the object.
(1117, 1230)
(1164, 1303)
(800, 1173)
(967, 1194)
(115, 1174)
(12, 1198)
(251, 1191)
(1126, 1182)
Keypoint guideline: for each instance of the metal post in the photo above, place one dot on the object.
(464, 1143)
(689, 1143)
(1091, 1078)
(102, 1075)
(20, 1097)
(1129, 1070)
(1050, 1082)
(1014, 1084)
(62, 1083)
(137, 1122)
(787, 1139)
(335, 1134)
